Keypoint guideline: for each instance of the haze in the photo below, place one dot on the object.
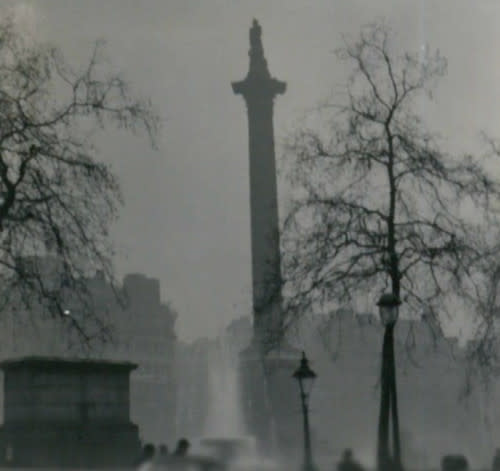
(186, 218)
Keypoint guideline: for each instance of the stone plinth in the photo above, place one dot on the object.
(67, 413)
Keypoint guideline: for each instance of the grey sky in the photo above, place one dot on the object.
(186, 219)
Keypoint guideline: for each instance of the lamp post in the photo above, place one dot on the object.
(389, 310)
(305, 377)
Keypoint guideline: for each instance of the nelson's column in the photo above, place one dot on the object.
(266, 365)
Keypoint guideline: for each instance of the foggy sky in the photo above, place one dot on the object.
(186, 219)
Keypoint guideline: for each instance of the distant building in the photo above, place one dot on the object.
(67, 413)
(141, 331)
(344, 349)
(435, 416)
(193, 391)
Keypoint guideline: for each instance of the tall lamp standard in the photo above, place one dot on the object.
(389, 310)
(305, 377)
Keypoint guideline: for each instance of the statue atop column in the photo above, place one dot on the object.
(265, 374)
(256, 37)
(259, 90)
(258, 64)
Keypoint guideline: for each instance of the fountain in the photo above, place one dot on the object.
(225, 418)
(225, 439)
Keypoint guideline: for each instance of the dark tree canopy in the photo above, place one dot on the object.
(57, 199)
(380, 205)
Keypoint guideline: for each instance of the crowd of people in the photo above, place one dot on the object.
(153, 457)
(448, 463)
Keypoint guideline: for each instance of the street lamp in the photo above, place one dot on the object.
(305, 377)
(389, 310)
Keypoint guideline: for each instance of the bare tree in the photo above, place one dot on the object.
(380, 206)
(57, 200)
(483, 353)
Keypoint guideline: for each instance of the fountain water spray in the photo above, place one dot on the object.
(225, 418)
(227, 438)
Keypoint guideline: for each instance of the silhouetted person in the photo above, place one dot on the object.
(496, 461)
(162, 456)
(179, 461)
(454, 463)
(145, 462)
(163, 450)
(182, 448)
(347, 463)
